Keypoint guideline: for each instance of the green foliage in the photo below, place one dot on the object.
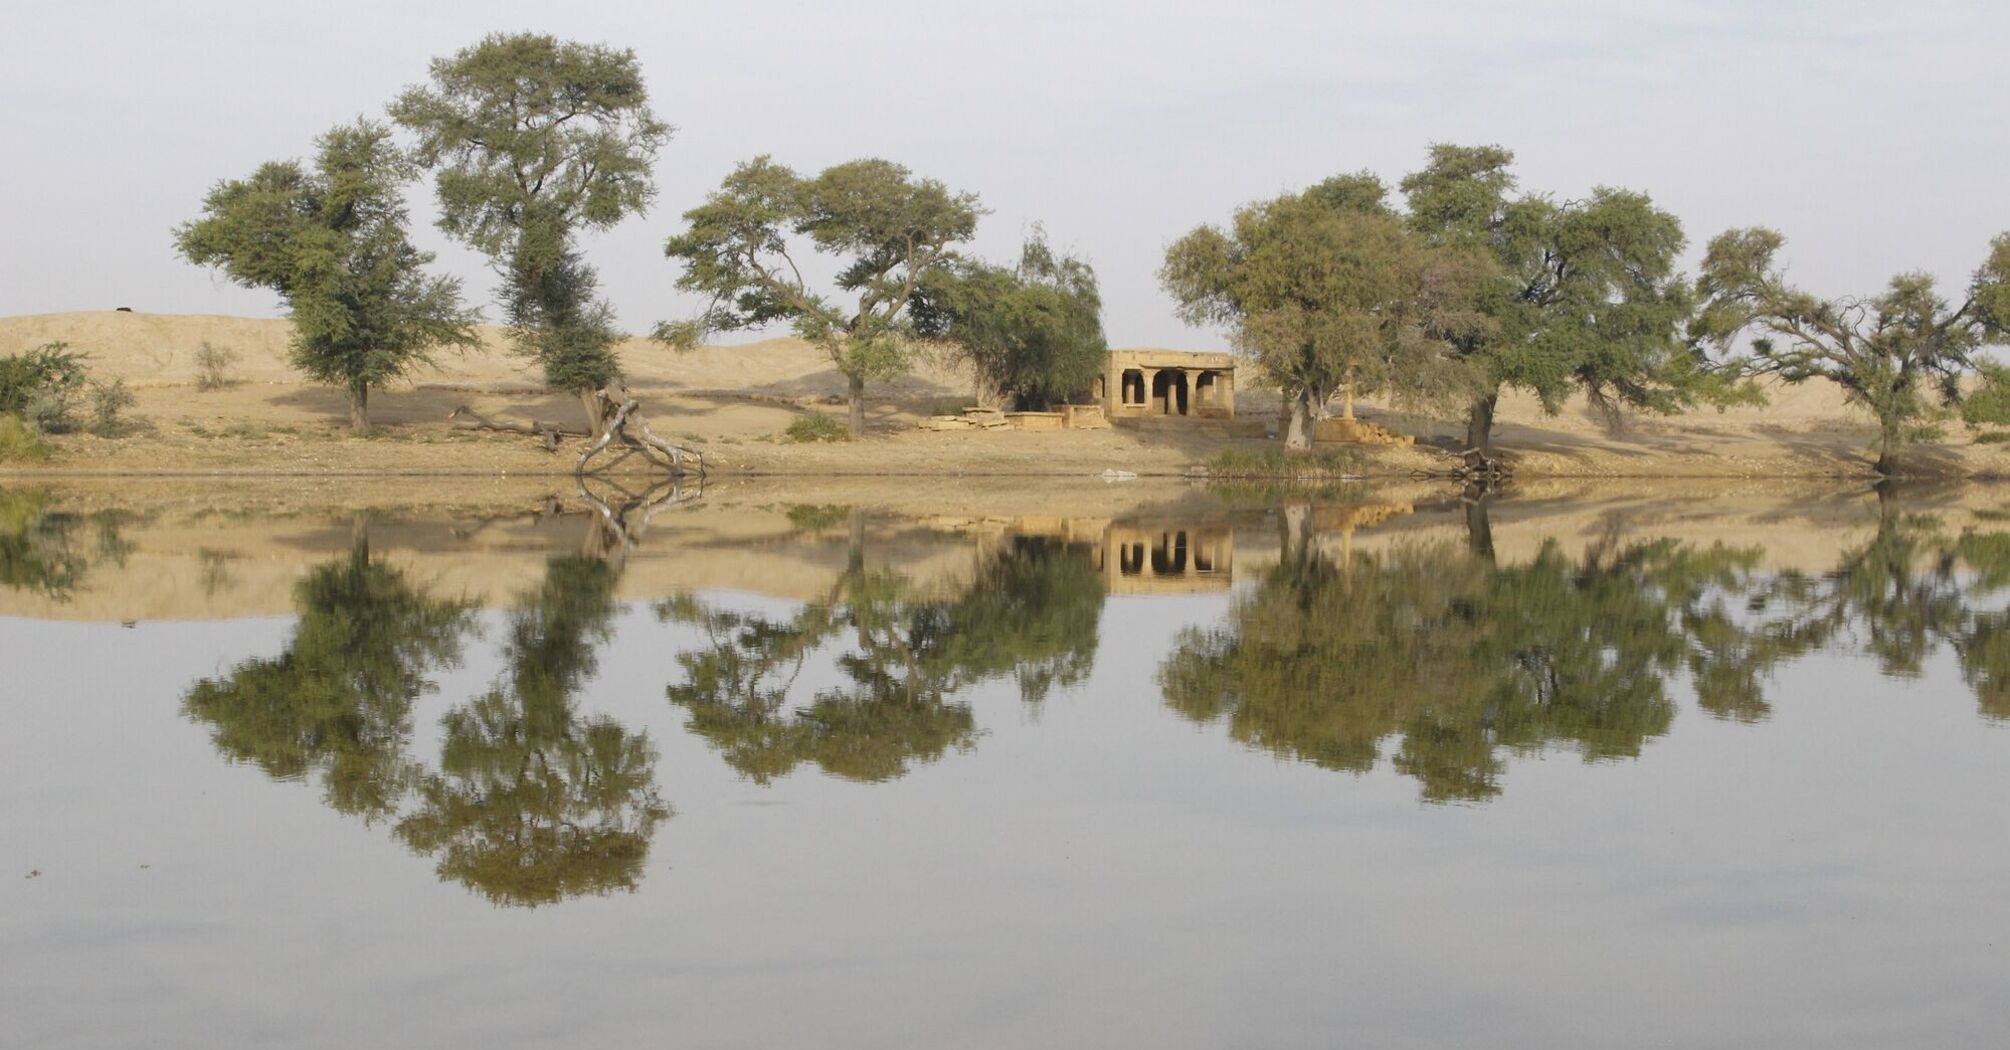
(1033, 333)
(1989, 402)
(337, 702)
(1325, 290)
(109, 401)
(817, 517)
(534, 139)
(815, 426)
(333, 243)
(1031, 614)
(533, 803)
(1897, 354)
(883, 229)
(38, 551)
(1461, 662)
(1581, 294)
(20, 443)
(41, 387)
(212, 366)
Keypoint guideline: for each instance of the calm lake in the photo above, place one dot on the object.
(973, 765)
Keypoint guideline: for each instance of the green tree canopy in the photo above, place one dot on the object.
(1325, 290)
(1033, 333)
(1894, 354)
(884, 231)
(535, 139)
(332, 241)
(1583, 294)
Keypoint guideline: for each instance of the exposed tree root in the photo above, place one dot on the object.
(624, 423)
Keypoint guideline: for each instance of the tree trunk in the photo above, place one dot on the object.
(1887, 448)
(359, 407)
(1480, 426)
(596, 409)
(1298, 422)
(1479, 524)
(857, 393)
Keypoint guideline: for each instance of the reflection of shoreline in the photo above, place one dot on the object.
(227, 555)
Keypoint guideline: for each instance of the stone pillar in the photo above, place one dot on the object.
(1151, 375)
(1225, 383)
(1193, 390)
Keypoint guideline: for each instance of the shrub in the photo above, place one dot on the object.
(41, 386)
(817, 427)
(18, 441)
(108, 402)
(212, 367)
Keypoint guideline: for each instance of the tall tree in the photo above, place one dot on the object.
(333, 243)
(1583, 294)
(1325, 290)
(535, 139)
(1893, 354)
(1033, 333)
(885, 230)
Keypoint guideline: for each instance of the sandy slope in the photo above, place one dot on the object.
(736, 400)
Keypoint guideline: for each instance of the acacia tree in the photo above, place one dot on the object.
(1582, 294)
(1892, 353)
(534, 140)
(1033, 333)
(333, 243)
(886, 230)
(1322, 290)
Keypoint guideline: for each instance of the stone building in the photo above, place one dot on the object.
(1166, 383)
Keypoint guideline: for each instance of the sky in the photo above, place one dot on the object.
(1872, 134)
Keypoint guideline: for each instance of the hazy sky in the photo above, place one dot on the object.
(1873, 134)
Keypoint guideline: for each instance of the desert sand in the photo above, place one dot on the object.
(733, 403)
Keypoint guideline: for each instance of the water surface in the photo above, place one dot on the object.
(1100, 768)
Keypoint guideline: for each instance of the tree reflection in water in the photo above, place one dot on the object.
(1463, 661)
(42, 550)
(530, 803)
(1031, 613)
(337, 702)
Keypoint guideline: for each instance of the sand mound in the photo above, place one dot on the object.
(160, 350)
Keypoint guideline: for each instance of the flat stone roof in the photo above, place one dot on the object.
(1152, 357)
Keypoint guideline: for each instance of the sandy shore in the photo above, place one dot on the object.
(734, 403)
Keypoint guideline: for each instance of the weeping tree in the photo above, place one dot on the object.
(1032, 333)
(1895, 354)
(1326, 290)
(883, 229)
(332, 241)
(1580, 295)
(535, 139)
